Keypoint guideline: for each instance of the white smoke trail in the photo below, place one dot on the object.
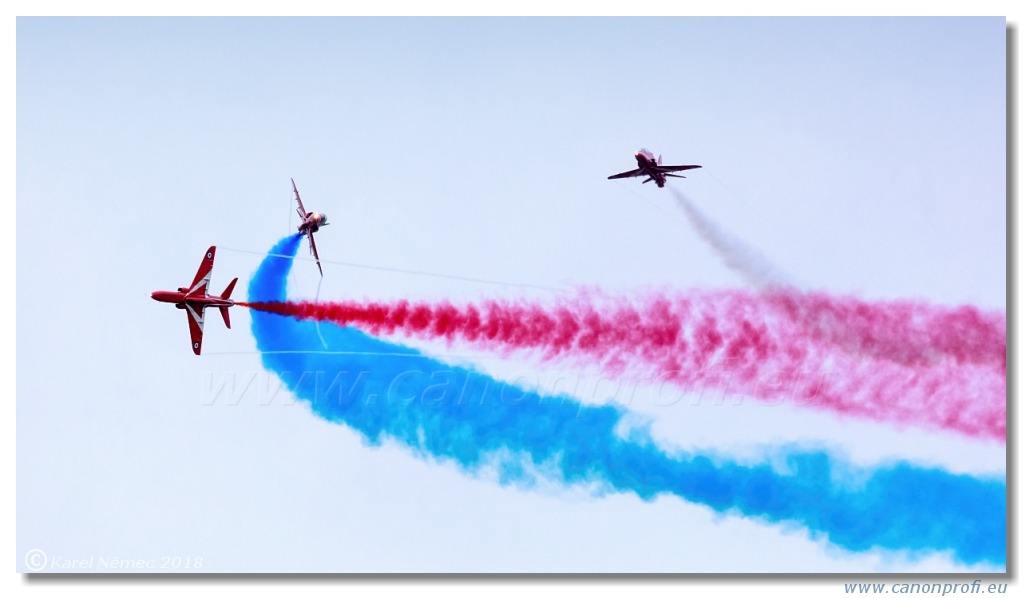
(755, 269)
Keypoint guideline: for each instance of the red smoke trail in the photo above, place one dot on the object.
(902, 362)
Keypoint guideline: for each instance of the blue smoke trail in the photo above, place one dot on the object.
(455, 414)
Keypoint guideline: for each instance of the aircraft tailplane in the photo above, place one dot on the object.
(227, 292)
(224, 312)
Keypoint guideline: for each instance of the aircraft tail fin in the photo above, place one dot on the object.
(227, 292)
(227, 319)
(659, 159)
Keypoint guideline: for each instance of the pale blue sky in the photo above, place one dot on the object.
(861, 156)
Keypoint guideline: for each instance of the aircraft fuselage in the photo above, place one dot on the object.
(179, 299)
(645, 160)
(312, 222)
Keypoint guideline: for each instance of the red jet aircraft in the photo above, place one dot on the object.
(311, 222)
(652, 169)
(196, 298)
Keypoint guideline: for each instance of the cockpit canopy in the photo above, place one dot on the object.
(646, 153)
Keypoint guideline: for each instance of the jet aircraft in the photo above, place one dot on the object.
(195, 299)
(311, 222)
(652, 169)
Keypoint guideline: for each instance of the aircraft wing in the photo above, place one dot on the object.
(195, 327)
(676, 168)
(624, 175)
(312, 249)
(302, 210)
(202, 280)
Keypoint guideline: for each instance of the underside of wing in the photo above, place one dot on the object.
(312, 249)
(677, 168)
(302, 210)
(195, 327)
(624, 175)
(202, 279)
